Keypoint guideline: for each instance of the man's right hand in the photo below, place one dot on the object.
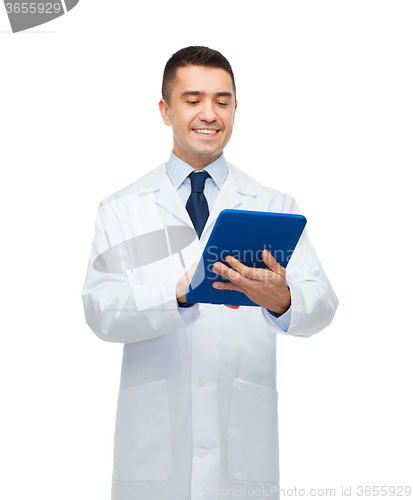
(183, 285)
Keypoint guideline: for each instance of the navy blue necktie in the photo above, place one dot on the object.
(197, 205)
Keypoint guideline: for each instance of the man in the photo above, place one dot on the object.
(197, 407)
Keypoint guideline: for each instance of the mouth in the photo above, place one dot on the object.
(205, 131)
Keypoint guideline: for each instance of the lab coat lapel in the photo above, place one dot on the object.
(167, 197)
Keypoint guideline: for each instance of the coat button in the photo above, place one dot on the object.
(200, 452)
(201, 383)
(174, 314)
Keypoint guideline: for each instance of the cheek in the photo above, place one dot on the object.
(229, 123)
(228, 120)
(183, 120)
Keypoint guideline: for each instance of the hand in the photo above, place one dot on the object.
(266, 287)
(183, 285)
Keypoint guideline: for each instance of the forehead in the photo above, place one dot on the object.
(202, 79)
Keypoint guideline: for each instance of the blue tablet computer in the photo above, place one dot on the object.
(243, 234)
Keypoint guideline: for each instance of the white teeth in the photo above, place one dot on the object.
(205, 131)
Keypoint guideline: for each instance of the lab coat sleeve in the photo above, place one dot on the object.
(119, 307)
(313, 301)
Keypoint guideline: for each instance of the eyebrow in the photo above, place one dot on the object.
(197, 92)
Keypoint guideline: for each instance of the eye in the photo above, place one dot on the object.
(223, 104)
(192, 102)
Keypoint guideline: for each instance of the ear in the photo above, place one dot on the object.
(164, 109)
(233, 118)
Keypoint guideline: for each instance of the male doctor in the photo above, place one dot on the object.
(197, 405)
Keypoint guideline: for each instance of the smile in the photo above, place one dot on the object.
(205, 131)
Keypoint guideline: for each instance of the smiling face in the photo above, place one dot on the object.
(201, 111)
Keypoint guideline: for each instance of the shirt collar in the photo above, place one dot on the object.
(177, 170)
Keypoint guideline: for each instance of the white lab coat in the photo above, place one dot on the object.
(197, 406)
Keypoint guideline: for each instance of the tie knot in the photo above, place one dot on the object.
(198, 181)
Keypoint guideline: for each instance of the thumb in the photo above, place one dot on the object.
(192, 269)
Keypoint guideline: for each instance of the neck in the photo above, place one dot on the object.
(197, 163)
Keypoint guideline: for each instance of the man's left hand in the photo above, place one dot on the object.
(266, 287)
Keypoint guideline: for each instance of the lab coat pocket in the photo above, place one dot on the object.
(253, 432)
(142, 449)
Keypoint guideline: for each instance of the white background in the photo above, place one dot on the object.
(325, 113)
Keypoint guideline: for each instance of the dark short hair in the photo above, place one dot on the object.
(192, 56)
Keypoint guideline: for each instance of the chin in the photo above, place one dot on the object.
(207, 151)
(209, 155)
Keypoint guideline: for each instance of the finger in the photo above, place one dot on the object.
(227, 286)
(231, 306)
(192, 269)
(252, 273)
(231, 275)
(190, 273)
(247, 272)
(270, 262)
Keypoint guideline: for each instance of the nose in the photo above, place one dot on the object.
(207, 113)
